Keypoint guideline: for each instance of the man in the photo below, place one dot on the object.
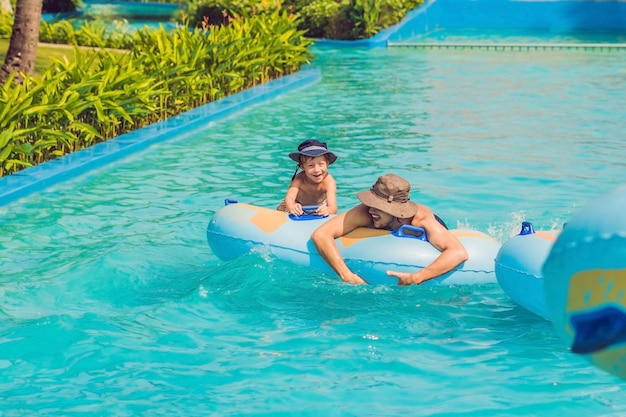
(387, 205)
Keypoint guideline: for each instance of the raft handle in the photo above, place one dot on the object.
(229, 201)
(527, 229)
(310, 209)
(416, 232)
(309, 214)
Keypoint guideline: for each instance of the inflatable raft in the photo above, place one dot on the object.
(585, 282)
(518, 267)
(239, 229)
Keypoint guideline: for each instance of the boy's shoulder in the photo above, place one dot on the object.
(329, 177)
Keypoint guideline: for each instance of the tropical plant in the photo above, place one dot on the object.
(351, 19)
(222, 12)
(366, 15)
(316, 18)
(6, 24)
(91, 33)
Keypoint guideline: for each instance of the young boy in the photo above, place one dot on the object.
(314, 186)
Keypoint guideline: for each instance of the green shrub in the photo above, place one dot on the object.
(60, 32)
(221, 12)
(6, 24)
(91, 33)
(340, 25)
(393, 11)
(351, 19)
(317, 17)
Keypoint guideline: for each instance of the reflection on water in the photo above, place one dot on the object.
(120, 16)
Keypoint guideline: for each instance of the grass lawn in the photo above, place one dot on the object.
(47, 53)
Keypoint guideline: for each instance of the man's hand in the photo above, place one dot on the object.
(404, 278)
(353, 278)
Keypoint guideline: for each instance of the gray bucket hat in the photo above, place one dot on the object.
(313, 148)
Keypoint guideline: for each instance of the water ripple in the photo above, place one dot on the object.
(113, 304)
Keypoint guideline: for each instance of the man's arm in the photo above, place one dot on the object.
(324, 239)
(453, 252)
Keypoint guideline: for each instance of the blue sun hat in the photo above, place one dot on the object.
(313, 148)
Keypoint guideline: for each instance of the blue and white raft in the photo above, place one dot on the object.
(238, 229)
(518, 267)
(585, 282)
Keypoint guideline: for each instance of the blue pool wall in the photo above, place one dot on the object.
(39, 177)
(555, 16)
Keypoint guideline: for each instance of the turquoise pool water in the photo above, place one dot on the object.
(113, 304)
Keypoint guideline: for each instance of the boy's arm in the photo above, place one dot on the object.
(331, 198)
(290, 198)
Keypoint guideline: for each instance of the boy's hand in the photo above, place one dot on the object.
(322, 210)
(296, 210)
